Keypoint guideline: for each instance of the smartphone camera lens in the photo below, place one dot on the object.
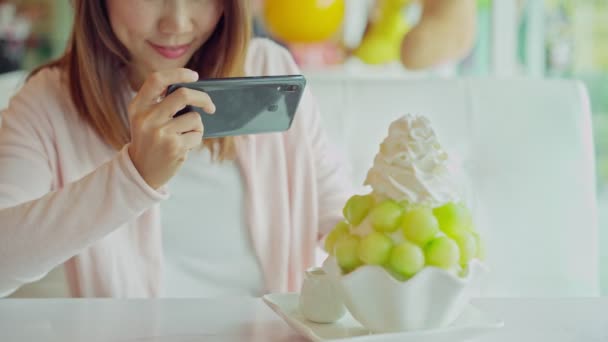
(288, 88)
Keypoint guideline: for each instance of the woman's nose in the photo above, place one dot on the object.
(176, 18)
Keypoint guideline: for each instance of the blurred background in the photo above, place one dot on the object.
(356, 38)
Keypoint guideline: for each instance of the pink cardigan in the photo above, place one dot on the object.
(67, 198)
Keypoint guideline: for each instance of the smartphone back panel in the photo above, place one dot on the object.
(248, 105)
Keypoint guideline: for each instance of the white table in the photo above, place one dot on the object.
(248, 319)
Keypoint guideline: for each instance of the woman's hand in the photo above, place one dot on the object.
(159, 142)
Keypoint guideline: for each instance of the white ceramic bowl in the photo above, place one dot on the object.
(431, 299)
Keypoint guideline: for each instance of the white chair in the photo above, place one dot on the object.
(527, 154)
(9, 84)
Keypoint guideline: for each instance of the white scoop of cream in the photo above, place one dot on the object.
(412, 166)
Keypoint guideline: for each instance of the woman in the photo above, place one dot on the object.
(90, 157)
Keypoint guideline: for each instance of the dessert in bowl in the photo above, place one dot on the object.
(407, 255)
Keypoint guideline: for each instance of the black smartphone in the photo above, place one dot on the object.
(247, 105)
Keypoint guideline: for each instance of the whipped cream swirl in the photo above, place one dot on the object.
(411, 165)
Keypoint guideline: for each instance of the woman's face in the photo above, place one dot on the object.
(162, 34)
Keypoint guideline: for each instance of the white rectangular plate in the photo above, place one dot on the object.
(471, 324)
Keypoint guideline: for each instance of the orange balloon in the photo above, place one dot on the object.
(303, 21)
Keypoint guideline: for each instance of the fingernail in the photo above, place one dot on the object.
(194, 75)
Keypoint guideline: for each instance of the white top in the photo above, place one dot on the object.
(206, 242)
(207, 246)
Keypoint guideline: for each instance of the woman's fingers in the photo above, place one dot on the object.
(157, 83)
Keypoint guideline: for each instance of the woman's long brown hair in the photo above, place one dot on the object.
(94, 54)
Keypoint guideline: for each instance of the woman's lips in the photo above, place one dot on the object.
(171, 52)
